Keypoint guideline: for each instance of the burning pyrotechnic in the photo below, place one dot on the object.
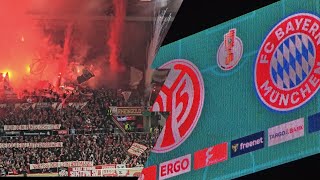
(116, 29)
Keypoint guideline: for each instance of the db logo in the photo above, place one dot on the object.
(175, 167)
(287, 68)
(210, 156)
(182, 95)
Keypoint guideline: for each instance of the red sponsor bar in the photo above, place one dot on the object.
(210, 156)
(149, 173)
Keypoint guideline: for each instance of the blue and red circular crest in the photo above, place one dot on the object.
(287, 69)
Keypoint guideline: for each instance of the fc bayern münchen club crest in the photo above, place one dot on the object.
(230, 51)
(287, 69)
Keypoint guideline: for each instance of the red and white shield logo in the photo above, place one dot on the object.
(182, 95)
(287, 69)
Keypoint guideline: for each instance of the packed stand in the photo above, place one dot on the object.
(100, 149)
(101, 146)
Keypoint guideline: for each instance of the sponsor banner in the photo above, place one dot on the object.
(211, 155)
(32, 145)
(127, 111)
(247, 144)
(31, 127)
(175, 167)
(149, 173)
(36, 133)
(314, 123)
(137, 149)
(286, 132)
(61, 164)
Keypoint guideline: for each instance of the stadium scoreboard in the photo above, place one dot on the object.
(242, 95)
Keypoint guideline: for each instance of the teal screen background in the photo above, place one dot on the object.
(231, 107)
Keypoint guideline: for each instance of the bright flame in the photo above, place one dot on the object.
(28, 69)
(22, 39)
(7, 72)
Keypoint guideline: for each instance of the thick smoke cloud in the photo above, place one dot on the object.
(32, 40)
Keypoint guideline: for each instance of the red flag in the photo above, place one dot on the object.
(64, 104)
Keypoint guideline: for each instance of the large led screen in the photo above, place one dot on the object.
(242, 95)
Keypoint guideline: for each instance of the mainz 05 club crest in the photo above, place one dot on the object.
(182, 95)
(287, 69)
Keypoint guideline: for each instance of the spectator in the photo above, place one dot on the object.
(91, 137)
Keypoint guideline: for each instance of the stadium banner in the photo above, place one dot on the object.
(77, 105)
(112, 170)
(41, 105)
(137, 149)
(12, 133)
(125, 118)
(31, 127)
(248, 86)
(62, 172)
(61, 164)
(107, 169)
(36, 133)
(121, 118)
(23, 106)
(127, 111)
(55, 105)
(130, 118)
(83, 172)
(32, 145)
(61, 132)
(121, 170)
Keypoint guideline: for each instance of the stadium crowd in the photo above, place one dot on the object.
(101, 147)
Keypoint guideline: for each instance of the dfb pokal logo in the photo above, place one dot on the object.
(287, 69)
(230, 51)
(182, 95)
